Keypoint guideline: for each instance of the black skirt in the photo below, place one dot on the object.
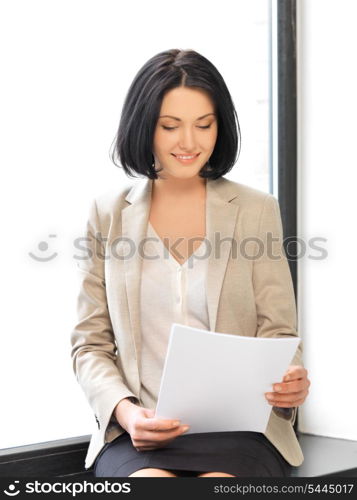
(248, 454)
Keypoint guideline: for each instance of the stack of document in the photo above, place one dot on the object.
(216, 382)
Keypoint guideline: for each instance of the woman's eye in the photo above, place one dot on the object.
(173, 128)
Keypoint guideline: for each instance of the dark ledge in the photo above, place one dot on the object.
(65, 458)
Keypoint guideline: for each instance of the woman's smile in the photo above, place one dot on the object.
(186, 159)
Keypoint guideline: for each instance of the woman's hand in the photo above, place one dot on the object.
(294, 388)
(146, 431)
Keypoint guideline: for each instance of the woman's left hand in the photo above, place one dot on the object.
(294, 388)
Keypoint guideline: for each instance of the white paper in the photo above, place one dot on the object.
(216, 382)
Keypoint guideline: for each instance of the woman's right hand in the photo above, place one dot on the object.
(146, 431)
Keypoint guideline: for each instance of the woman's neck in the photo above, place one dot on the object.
(179, 189)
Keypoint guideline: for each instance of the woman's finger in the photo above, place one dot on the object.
(158, 424)
(295, 372)
(295, 386)
(280, 404)
(291, 398)
(153, 438)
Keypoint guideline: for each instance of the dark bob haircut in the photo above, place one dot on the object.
(133, 144)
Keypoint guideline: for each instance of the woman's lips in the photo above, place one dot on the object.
(186, 161)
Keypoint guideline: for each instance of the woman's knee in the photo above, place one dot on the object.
(215, 474)
(152, 472)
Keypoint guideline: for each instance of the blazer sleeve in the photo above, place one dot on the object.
(273, 287)
(93, 353)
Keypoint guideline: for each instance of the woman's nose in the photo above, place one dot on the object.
(187, 140)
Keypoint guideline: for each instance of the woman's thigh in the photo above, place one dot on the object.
(152, 472)
(215, 474)
(158, 472)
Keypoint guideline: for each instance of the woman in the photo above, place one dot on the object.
(179, 129)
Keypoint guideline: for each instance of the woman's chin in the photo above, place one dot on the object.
(182, 173)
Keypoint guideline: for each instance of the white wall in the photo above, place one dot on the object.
(327, 41)
(65, 70)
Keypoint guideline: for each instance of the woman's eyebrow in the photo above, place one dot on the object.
(179, 119)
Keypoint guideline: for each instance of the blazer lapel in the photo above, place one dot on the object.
(134, 225)
(221, 218)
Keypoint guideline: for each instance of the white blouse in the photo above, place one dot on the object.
(170, 293)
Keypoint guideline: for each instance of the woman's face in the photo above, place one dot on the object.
(187, 126)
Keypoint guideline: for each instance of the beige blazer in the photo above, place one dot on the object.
(249, 292)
